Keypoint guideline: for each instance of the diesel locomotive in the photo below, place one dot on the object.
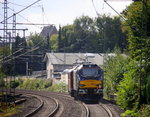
(86, 82)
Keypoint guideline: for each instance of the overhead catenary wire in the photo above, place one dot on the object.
(97, 13)
(21, 10)
(115, 10)
(14, 52)
(20, 4)
(20, 55)
(33, 49)
(24, 19)
(129, 24)
(11, 54)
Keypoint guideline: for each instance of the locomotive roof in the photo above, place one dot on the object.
(71, 58)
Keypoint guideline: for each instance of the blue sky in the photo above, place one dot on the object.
(57, 12)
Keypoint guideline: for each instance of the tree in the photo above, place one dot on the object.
(110, 33)
(138, 29)
(60, 43)
(54, 42)
(92, 35)
(37, 46)
(114, 67)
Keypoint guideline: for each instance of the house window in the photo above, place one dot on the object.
(56, 75)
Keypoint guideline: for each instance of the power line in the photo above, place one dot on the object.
(97, 13)
(114, 10)
(129, 24)
(21, 10)
(22, 17)
(21, 55)
(33, 49)
(19, 23)
(21, 5)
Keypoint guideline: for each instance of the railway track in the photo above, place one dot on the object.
(63, 105)
(66, 106)
(99, 110)
(47, 108)
(72, 113)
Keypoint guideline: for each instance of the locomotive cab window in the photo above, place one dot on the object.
(89, 72)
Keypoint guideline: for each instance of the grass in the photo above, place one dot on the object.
(8, 111)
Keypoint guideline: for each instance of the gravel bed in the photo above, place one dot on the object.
(115, 109)
(69, 107)
(30, 104)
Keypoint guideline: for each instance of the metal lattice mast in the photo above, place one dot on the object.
(14, 27)
(4, 46)
(5, 21)
(12, 91)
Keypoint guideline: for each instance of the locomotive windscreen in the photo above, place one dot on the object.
(87, 72)
(91, 73)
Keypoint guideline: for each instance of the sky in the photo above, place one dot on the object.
(57, 12)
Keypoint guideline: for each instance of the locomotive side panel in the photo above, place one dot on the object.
(70, 83)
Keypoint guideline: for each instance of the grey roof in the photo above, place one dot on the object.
(48, 31)
(71, 58)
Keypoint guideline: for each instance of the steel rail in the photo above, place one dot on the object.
(52, 114)
(87, 110)
(37, 109)
(107, 110)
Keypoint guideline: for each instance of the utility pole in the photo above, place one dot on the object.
(5, 46)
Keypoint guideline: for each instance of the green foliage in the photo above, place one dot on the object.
(92, 35)
(13, 84)
(148, 89)
(110, 33)
(54, 42)
(61, 87)
(129, 113)
(41, 84)
(35, 84)
(114, 67)
(37, 41)
(144, 111)
(127, 94)
(2, 82)
(134, 88)
(7, 112)
(37, 46)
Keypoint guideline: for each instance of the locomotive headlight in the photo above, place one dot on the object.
(99, 85)
(82, 91)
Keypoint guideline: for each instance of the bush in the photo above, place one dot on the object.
(148, 89)
(129, 112)
(61, 87)
(2, 82)
(114, 68)
(127, 95)
(144, 111)
(13, 84)
(34, 84)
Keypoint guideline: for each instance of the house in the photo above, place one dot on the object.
(48, 31)
(56, 63)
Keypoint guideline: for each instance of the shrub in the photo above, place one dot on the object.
(13, 84)
(148, 89)
(144, 111)
(34, 84)
(2, 82)
(114, 68)
(129, 112)
(127, 95)
(61, 87)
